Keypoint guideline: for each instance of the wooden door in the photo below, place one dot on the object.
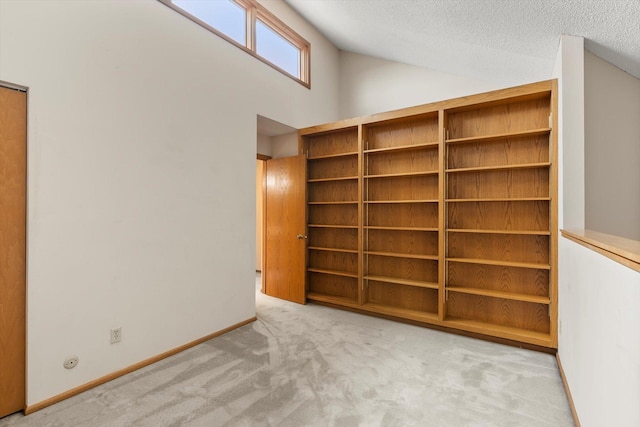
(13, 161)
(285, 248)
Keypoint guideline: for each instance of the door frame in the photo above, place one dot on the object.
(264, 158)
(25, 89)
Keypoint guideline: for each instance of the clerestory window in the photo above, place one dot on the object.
(251, 27)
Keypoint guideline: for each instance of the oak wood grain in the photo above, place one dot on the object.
(402, 268)
(504, 312)
(402, 132)
(339, 286)
(332, 167)
(506, 216)
(402, 296)
(332, 143)
(13, 163)
(505, 247)
(285, 254)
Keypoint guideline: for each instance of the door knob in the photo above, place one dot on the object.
(301, 236)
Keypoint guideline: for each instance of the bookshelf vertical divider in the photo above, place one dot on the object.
(361, 283)
(443, 214)
(442, 265)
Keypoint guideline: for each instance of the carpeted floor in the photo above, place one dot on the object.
(316, 366)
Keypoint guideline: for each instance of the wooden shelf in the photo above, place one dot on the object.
(341, 178)
(331, 226)
(406, 282)
(377, 227)
(500, 199)
(318, 248)
(333, 272)
(488, 138)
(332, 203)
(500, 262)
(402, 201)
(402, 148)
(500, 167)
(516, 334)
(330, 156)
(513, 232)
(314, 296)
(394, 175)
(404, 313)
(401, 255)
(500, 294)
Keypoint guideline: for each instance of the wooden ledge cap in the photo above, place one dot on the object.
(622, 250)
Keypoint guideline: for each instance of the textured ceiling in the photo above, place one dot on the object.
(495, 40)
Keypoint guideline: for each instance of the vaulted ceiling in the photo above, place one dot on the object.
(492, 40)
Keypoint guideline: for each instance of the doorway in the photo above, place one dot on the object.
(13, 196)
(275, 140)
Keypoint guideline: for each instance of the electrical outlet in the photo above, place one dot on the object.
(70, 362)
(116, 335)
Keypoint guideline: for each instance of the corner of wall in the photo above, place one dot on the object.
(569, 70)
(612, 151)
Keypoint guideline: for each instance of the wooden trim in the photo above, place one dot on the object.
(442, 215)
(256, 11)
(288, 34)
(13, 248)
(263, 251)
(362, 291)
(13, 86)
(112, 376)
(572, 406)
(553, 193)
(531, 90)
(619, 249)
(250, 24)
(343, 125)
(263, 157)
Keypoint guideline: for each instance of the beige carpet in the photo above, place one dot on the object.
(316, 366)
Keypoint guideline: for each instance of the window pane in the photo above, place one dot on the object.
(225, 16)
(275, 48)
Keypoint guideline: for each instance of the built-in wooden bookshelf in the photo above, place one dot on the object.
(444, 214)
(498, 202)
(333, 211)
(400, 215)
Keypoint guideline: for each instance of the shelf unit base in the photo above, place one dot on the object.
(502, 335)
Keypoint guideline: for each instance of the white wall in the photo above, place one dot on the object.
(264, 145)
(598, 299)
(142, 131)
(569, 70)
(612, 149)
(276, 146)
(285, 145)
(372, 85)
(600, 336)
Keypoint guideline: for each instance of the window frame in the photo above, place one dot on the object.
(255, 11)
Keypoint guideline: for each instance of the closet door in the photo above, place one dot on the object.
(285, 246)
(13, 144)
